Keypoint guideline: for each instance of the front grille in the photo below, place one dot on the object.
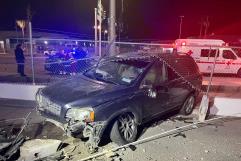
(49, 106)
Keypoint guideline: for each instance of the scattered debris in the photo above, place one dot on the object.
(206, 151)
(38, 148)
(180, 134)
(144, 150)
(151, 138)
(11, 137)
(8, 149)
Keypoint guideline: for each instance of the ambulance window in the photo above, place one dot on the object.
(227, 54)
(209, 53)
(237, 51)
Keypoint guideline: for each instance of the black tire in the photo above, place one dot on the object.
(239, 73)
(124, 129)
(188, 105)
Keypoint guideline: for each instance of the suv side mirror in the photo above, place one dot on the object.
(151, 91)
(146, 85)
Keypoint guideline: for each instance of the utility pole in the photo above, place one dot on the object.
(201, 28)
(120, 24)
(180, 28)
(29, 17)
(112, 31)
(95, 27)
(206, 24)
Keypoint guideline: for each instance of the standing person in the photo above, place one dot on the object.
(19, 56)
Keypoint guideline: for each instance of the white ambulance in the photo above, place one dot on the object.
(204, 50)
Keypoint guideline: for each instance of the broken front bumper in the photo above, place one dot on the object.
(74, 127)
(93, 130)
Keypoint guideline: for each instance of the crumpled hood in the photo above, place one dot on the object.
(77, 89)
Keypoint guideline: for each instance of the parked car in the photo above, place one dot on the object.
(67, 62)
(120, 94)
(50, 52)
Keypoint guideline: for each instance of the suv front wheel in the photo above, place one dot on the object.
(124, 129)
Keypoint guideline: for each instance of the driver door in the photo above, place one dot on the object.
(156, 97)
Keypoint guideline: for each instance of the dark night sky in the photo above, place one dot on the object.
(143, 19)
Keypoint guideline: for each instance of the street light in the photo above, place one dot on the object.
(98, 27)
(180, 29)
(105, 33)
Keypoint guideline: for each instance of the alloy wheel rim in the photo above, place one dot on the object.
(127, 126)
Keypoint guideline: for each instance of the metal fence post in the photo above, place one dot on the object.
(31, 51)
(211, 76)
(205, 99)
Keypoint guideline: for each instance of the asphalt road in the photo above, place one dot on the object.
(217, 141)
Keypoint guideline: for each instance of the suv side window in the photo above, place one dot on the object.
(227, 54)
(156, 74)
(171, 74)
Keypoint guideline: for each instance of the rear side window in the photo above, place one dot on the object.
(185, 66)
(209, 52)
(171, 74)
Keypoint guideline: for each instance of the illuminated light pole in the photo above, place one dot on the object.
(95, 27)
(112, 31)
(99, 18)
(180, 28)
(105, 33)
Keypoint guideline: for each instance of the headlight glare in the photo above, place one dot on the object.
(81, 114)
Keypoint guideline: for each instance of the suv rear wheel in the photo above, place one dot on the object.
(188, 105)
(124, 129)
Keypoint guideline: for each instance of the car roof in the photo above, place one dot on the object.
(144, 55)
(182, 63)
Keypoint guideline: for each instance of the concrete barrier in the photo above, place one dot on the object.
(18, 91)
(225, 106)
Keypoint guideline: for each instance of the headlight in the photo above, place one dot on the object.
(81, 114)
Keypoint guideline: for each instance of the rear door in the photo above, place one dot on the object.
(177, 88)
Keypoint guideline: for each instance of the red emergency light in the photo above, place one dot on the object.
(183, 43)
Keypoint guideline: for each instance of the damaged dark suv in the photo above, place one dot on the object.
(121, 93)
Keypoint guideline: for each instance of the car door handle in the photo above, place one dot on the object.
(133, 95)
(162, 89)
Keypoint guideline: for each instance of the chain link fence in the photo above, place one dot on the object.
(57, 59)
(54, 59)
